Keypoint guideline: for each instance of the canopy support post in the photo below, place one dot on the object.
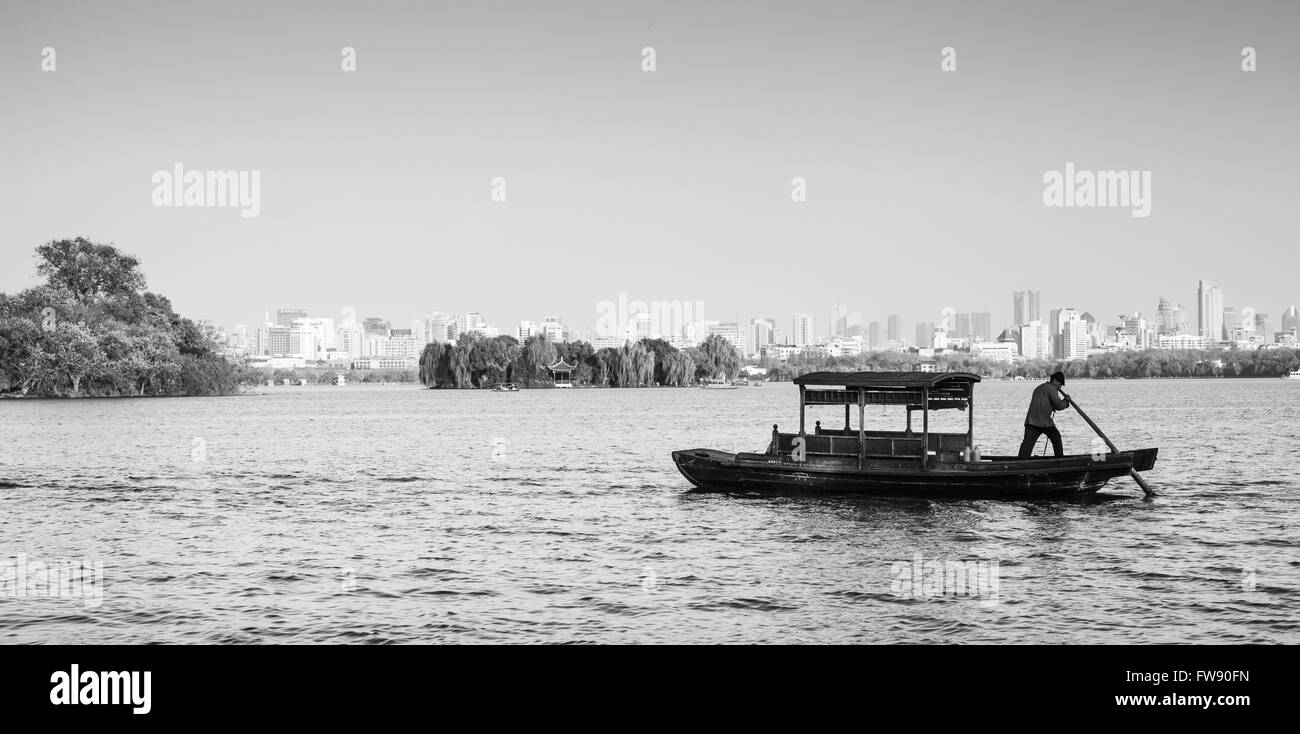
(970, 410)
(862, 429)
(925, 428)
(801, 409)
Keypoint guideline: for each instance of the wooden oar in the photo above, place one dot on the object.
(1131, 472)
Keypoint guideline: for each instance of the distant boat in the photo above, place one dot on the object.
(716, 384)
(340, 380)
(506, 387)
(1293, 376)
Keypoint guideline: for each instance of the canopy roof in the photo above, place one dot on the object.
(561, 366)
(887, 380)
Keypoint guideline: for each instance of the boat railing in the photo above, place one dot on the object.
(876, 444)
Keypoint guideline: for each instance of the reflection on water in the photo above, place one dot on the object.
(393, 514)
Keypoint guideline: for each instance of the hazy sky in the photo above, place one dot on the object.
(925, 188)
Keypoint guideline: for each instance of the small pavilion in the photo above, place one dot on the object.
(562, 373)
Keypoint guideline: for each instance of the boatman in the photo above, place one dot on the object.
(1046, 400)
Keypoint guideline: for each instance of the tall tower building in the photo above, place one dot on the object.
(962, 329)
(801, 332)
(981, 325)
(1209, 311)
(895, 328)
(1075, 339)
(762, 333)
(1033, 302)
(873, 336)
(1168, 320)
(1034, 340)
(1290, 320)
(925, 335)
(1018, 307)
(839, 319)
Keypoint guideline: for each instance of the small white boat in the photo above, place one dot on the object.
(716, 384)
(1293, 376)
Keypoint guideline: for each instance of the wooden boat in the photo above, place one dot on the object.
(506, 387)
(908, 462)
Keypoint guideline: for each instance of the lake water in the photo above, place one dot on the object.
(381, 514)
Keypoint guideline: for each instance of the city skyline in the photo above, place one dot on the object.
(1065, 335)
(819, 327)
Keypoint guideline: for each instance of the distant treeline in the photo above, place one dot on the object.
(326, 376)
(1131, 364)
(478, 361)
(92, 330)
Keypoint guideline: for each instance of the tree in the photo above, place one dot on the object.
(718, 357)
(87, 269)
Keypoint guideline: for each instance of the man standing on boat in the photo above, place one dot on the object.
(1046, 400)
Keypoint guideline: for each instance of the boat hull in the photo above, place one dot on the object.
(996, 477)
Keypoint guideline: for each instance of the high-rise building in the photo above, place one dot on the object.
(925, 335)
(1291, 320)
(1229, 321)
(981, 325)
(801, 332)
(1133, 332)
(1209, 311)
(525, 330)
(438, 328)
(1034, 342)
(839, 320)
(554, 329)
(350, 340)
(895, 331)
(286, 316)
(375, 326)
(962, 330)
(731, 331)
(302, 339)
(1059, 317)
(1018, 307)
(854, 325)
(1033, 301)
(1075, 339)
(873, 336)
(239, 338)
(1169, 317)
(469, 322)
(762, 333)
(277, 340)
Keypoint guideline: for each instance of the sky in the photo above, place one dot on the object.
(924, 187)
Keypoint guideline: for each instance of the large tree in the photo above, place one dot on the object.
(87, 269)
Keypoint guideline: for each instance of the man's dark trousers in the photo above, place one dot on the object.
(1031, 437)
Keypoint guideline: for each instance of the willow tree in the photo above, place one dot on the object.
(718, 357)
(535, 355)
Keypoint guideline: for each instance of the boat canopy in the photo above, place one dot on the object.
(917, 390)
(887, 380)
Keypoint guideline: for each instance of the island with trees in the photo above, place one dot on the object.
(92, 330)
(478, 361)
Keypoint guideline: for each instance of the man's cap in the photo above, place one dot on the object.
(1059, 377)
